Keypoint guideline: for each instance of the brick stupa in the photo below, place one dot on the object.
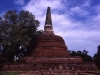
(50, 52)
(49, 44)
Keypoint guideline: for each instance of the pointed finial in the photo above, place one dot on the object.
(48, 17)
(48, 29)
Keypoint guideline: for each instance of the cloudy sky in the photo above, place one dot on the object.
(77, 21)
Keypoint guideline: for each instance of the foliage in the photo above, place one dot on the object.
(17, 30)
(83, 54)
(97, 57)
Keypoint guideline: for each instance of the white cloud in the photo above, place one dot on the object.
(34, 5)
(78, 35)
(79, 11)
(81, 39)
(19, 2)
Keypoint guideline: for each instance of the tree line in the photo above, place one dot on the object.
(86, 57)
(83, 54)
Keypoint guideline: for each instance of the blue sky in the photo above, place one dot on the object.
(77, 21)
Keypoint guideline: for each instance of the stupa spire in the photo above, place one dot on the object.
(48, 29)
(48, 17)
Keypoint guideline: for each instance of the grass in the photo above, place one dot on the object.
(10, 73)
(16, 73)
(97, 71)
(94, 72)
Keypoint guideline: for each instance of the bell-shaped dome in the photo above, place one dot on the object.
(50, 46)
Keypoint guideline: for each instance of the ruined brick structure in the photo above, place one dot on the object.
(49, 44)
(50, 52)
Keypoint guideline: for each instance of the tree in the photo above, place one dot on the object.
(17, 30)
(83, 54)
(97, 57)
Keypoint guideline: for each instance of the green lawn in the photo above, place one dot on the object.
(10, 73)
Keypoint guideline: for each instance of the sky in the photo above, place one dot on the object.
(77, 21)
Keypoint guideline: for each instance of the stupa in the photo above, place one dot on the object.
(50, 52)
(49, 44)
